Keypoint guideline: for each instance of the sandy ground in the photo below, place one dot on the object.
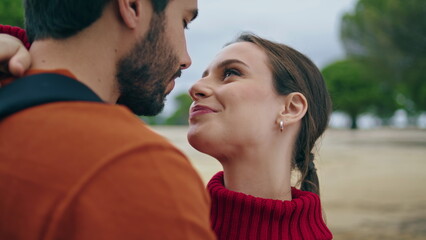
(372, 181)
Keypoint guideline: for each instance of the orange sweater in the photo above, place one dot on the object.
(85, 170)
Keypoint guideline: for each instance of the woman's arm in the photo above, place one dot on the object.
(17, 32)
(14, 56)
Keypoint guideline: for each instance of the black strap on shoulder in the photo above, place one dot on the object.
(39, 89)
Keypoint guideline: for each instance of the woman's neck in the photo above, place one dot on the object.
(266, 175)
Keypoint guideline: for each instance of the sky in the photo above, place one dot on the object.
(310, 26)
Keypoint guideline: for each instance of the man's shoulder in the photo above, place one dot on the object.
(99, 120)
(83, 138)
(102, 166)
(91, 130)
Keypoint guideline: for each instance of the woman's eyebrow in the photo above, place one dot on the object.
(231, 61)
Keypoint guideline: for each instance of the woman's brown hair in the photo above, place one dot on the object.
(294, 72)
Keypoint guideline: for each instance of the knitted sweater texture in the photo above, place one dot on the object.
(239, 216)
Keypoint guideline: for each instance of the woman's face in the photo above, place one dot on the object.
(235, 105)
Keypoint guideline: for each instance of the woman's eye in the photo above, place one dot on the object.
(230, 72)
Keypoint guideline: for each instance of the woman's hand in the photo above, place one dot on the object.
(14, 57)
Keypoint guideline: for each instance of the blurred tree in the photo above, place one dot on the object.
(391, 34)
(153, 120)
(354, 89)
(12, 13)
(180, 116)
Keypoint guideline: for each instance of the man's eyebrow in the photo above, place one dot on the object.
(225, 63)
(194, 14)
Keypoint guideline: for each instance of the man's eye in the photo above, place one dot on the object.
(185, 24)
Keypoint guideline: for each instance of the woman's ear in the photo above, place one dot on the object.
(130, 12)
(294, 108)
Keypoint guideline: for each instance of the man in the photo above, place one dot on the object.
(91, 169)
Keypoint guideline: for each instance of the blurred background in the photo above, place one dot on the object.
(372, 54)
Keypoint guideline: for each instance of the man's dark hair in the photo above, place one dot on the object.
(61, 19)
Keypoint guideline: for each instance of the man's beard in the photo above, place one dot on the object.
(143, 74)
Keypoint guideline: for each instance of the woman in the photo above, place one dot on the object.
(259, 108)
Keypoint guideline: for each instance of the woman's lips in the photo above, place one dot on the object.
(199, 110)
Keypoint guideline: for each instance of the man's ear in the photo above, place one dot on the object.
(294, 108)
(130, 11)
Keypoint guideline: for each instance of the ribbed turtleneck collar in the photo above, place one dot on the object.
(237, 215)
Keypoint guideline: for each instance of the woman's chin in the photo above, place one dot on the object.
(196, 142)
(201, 143)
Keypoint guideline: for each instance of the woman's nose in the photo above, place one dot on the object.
(200, 90)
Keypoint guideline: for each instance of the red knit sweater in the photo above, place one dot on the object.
(16, 32)
(239, 216)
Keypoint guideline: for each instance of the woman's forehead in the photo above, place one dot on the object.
(245, 53)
